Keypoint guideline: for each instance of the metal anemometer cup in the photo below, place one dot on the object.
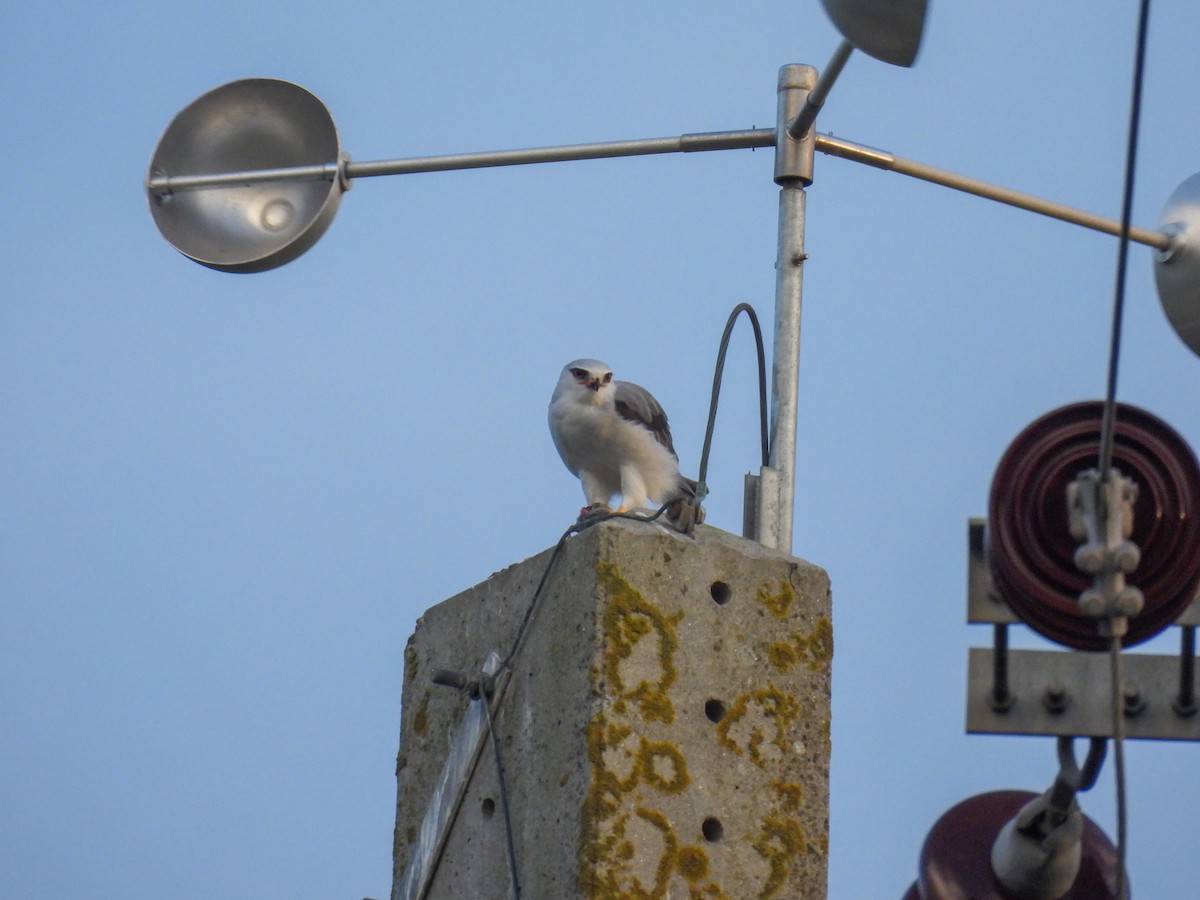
(889, 30)
(253, 124)
(1177, 269)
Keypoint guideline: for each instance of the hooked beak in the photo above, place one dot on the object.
(594, 384)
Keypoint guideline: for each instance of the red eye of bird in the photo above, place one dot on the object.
(608, 378)
(579, 373)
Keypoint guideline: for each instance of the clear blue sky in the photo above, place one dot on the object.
(225, 499)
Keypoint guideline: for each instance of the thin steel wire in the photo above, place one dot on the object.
(1118, 736)
(508, 826)
(526, 619)
(537, 594)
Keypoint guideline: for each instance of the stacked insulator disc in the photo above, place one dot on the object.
(1030, 548)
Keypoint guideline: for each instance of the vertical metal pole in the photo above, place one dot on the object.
(793, 172)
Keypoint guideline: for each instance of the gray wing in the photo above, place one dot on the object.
(636, 404)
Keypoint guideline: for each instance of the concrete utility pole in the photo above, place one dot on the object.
(663, 728)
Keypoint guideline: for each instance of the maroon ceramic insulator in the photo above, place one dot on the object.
(1030, 548)
(956, 857)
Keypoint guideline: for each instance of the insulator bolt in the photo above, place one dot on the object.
(1132, 696)
(1055, 699)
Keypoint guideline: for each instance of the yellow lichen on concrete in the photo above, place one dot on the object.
(779, 842)
(410, 664)
(607, 787)
(778, 601)
(782, 654)
(757, 724)
(662, 766)
(659, 829)
(640, 647)
(791, 795)
(708, 892)
(692, 862)
(814, 647)
(421, 716)
(631, 847)
(621, 754)
(817, 646)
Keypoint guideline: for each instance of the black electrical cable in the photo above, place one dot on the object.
(1114, 353)
(719, 373)
(1108, 425)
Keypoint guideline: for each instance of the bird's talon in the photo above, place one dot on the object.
(596, 509)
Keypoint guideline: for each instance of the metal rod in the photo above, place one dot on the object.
(165, 184)
(793, 170)
(685, 143)
(785, 359)
(808, 115)
(1001, 698)
(1185, 703)
(881, 159)
(745, 139)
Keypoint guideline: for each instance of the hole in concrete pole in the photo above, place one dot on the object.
(715, 710)
(488, 807)
(720, 592)
(713, 830)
